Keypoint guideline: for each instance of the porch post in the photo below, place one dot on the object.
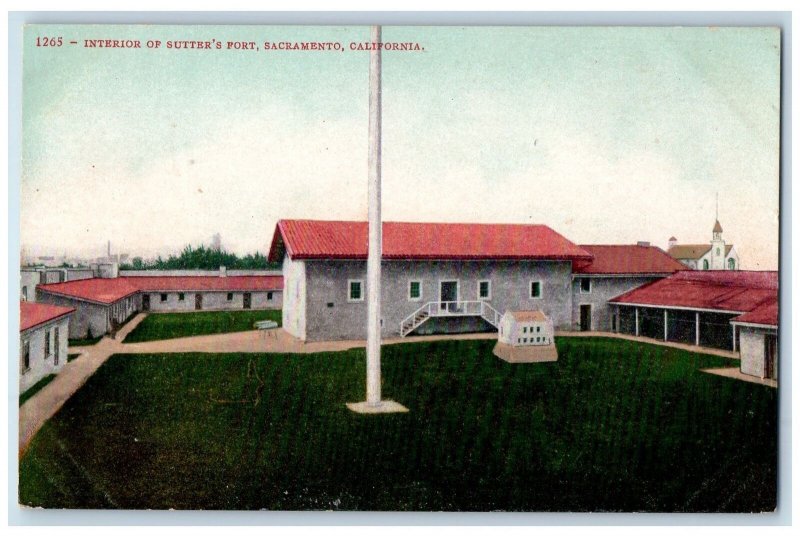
(697, 328)
(665, 324)
(636, 315)
(616, 326)
(733, 326)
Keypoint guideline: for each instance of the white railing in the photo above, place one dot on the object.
(450, 308)
(491, 315)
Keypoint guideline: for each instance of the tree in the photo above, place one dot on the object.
(203, 258)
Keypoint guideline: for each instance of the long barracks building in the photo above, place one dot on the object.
(102, 304)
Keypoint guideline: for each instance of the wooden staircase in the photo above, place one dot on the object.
(461, 308)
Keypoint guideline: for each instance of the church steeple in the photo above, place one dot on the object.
(717, 232)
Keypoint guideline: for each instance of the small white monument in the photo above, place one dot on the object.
(524, 337)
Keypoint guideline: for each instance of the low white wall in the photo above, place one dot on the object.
(214, 300)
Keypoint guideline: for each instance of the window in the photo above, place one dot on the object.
(415, 290)
(230, 297)
(181, 296)
(586, 285)
(24, 292)
(536, 289)
(47, 343)
(538, 328)
(26, 355)
(525, 340)
(269, 295)
(163, 297)
(485, 289)
(57, 345)
(355, 292)
(717, 251)
(731, 263)
(705, 264)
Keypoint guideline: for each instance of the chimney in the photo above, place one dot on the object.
(223, 272)
(643, 243)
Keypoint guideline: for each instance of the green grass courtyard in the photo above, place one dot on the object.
(198, 323)
(613, 426)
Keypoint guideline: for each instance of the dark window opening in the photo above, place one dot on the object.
(586, 285)
(26, 355)
(536, 289)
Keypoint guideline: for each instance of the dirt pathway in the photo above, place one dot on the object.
(276, 340)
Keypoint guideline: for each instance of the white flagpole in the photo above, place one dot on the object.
(375, 224)
(374, 404)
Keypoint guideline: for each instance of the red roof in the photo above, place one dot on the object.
(316, 239)
(628, 259)
(33, 314)
(207, 283)
(102, 290)
(766, 314)
(731, 291)
(110, 290)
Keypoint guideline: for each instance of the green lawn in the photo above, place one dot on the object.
(613, 425)
(83, 342)
(173, 325)
(30, 392)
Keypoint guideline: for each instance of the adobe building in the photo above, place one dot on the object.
(103, 304)
(735, 311)
(451, 278)
(43, 334)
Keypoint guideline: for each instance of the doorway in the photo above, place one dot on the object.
(198, 301)
(145, 302)
(246, 301)
(448, 295)
(770, 355)
(586, 317)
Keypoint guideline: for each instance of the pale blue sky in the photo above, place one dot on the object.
(608, 135)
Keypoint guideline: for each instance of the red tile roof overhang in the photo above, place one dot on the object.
(315, 239)
(765, 315)
(628, 259)
(33, 314)
(105, 291)
(713, 291)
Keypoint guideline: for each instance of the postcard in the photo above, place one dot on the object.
(399, 268)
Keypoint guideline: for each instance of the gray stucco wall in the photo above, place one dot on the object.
(330, 316)
(29, 279)
(39, 364)
(214, 300)
(751, 350)
(87, 315)
(603, 289)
